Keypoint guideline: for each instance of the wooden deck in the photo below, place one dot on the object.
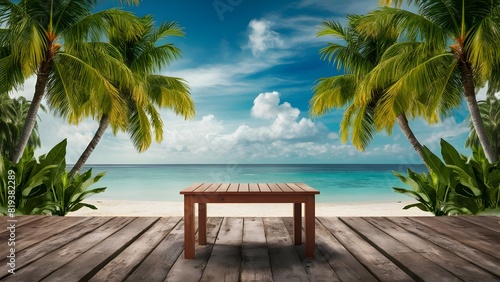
(254, 249)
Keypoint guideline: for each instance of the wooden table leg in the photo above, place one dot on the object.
(297, 223)
(202, 223)
(188, 227)
(310, 228)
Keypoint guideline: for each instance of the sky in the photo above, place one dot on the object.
(251, 66)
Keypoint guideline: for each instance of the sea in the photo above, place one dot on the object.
(336, 182)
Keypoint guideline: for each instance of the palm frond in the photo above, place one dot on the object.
(332, 92)
(93, 26)
(172, 93)
(139, 129)
(482, 44)
(412, 26)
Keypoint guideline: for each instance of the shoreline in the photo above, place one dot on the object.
(164, 209)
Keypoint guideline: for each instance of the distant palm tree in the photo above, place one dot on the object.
(490, 112)
(12, 115)
(149, 91)
(462, 38)
(360, 57)
(49, 39)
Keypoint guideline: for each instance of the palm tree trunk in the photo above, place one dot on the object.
(103, 124)
(470, 96)
(29, 124)
(405, 127)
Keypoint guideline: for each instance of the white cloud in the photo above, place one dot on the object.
(267, 106)
(227, 78)
(446, 129)
(482, 93)
(277, 133)
(261, 37)
(27, 90)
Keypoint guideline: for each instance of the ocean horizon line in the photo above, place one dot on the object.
(252, 164)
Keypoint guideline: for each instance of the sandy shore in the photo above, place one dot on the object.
(150, 208)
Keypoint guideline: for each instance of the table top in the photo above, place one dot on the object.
(249, 188)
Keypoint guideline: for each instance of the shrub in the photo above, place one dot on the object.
(459, 185)
(43, 186)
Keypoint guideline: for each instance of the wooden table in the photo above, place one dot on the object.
(203, 193)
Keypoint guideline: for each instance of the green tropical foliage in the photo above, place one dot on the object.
(58, 41)
(459, 42)
(43, 186)
(146, 94)
(490, 112)
(13, 112)
(455, 185)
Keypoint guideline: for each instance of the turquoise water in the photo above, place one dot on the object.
(337, 183)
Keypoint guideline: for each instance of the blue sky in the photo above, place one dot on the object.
(251, 66)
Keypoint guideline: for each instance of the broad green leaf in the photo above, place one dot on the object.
(436, 165)
(467, 180)
(418, 205)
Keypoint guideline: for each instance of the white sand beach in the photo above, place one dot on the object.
(157, 208)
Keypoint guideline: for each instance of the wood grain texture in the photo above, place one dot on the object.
(257, 249)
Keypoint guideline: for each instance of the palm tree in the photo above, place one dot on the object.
(49, 39)
(461, 38)
(7, 128)
(12, 115)
(143, 55)
(490, 112)
(360, 57)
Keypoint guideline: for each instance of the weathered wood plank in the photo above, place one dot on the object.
(25, 229)
(347, 267)
(317, 269)
(192, 269)
(364, 253)
(285, 261)
(19, 221)
(417, 266)
(38, 231)
(490, 222)
(225, 260)
(59, 239)
(438, 255)
(255, 265)
(158, 263)
(480, 238)
(52, 261)
(123, 264)
(91, 261)
(451, 244)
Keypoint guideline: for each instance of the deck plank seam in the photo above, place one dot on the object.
(212, 245)
(20, 267)
(408, 271)
(348, 249)
(98, 267)
(76, 239)
(133, 269)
